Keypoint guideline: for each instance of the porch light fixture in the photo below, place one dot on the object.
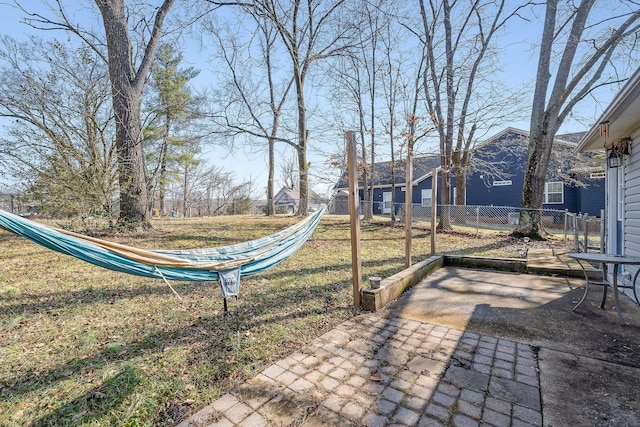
(613, 160)
(617, 152)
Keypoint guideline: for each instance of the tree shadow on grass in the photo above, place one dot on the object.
(7, 236)
(208, 335)
(96, 402)
(26, 303)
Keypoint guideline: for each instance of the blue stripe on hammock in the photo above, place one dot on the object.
(284, 244)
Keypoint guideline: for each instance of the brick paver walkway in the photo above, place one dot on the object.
(382, 371)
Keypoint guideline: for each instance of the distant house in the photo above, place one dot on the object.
(287, 200)
(422, 182)
(495, 178)
(497, 174)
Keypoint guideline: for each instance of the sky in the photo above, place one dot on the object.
(518, 65)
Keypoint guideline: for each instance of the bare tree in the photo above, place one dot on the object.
(310, 31)
(348, 97)
(60, 141)
(392, 89)
(127, 83)
(351, 95)
(288, 173)
(459, 38)
(369, 38)
(402, 85)
(219, 189)
(128, 74)
(585, 40)
(246, 111)
(368, 81)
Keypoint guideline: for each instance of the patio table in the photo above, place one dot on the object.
(603, 260)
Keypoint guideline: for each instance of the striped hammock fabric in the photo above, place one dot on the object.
(190, 265)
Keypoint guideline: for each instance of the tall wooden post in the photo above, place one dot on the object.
(354, 198)
(434, 208)
(408, 199)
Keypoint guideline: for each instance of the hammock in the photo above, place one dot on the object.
(225, 264)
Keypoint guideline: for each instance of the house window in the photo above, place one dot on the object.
(386, 202)
(425, 199)
(553, 193)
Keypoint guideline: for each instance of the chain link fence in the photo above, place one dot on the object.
(587, 232)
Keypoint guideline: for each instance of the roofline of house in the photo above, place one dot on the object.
(495, 137)
(403, 161)
(500, 135)
(618, 115)
(312, 194)
(521, 133)
(415, 182)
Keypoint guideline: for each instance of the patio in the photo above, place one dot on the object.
(464, 347)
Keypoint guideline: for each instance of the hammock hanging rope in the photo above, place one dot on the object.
(226, 262)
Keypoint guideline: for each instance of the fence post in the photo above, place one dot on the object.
(354, 198)
(434, 208)
(576, 242)
(586, 232)
(566, 216)
(477, 220)
(408, 203)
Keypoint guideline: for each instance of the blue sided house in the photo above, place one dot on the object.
(382, 194)
(495, 177)
(574, 183)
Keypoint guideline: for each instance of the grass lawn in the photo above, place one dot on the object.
(81, 345)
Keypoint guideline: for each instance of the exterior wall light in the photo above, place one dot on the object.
(617, 152)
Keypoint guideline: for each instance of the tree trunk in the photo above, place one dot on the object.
(304, 181)
(132, 179)
(303, 207)
(446, 139)
(162, 175)
(270, 191)
(162, 187)
(392, 216)
(185, 192)
(461, 188)
(540, 147)
(549, 109)
(127, 85)
(393, 187)
(372, 168)
(445, 192)
(540, 136)
(367, 211)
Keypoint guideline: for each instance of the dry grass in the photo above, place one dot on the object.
(85, 346)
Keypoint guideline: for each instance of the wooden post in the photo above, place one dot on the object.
(434, 208)
(354, 198)
(408, 199)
